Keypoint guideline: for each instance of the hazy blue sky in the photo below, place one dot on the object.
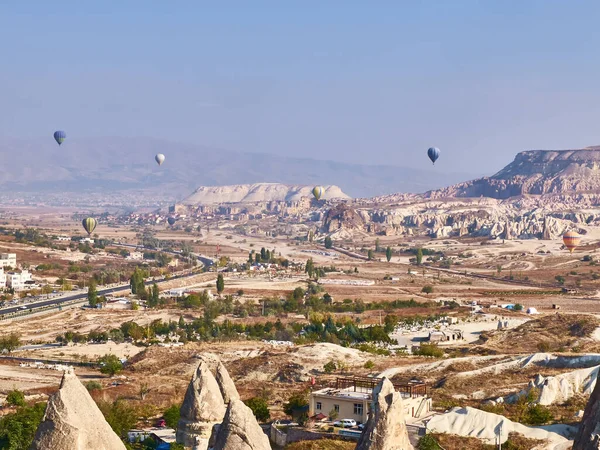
(359, 81)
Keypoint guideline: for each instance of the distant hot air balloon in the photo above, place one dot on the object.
(171, 220)
(89, 224)
(433, 153)
(60, 136)
(160, 158)
(571, 239)
(318, 192)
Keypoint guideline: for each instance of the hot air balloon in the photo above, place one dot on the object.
(171, 220)
(571, 239)
(89, 224)
(60, 136)
(318, 192)
(160, 158)
(433, 153)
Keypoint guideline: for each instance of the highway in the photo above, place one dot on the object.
(207, 262)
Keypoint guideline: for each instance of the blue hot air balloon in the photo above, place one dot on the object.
(433, 153)
(60, 136)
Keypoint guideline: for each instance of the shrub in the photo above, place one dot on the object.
(15, 398)
(93, 386)
(259, 407)
(330, 367)
(429, 350)
(537, 415)
(427, 289)
(428, 442)
(369, 364)
(518, 307)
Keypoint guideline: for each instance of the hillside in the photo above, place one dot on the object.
(116, 164)
(258, 192)
(535, 172)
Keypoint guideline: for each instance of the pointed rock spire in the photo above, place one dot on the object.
(72, 421)
(202, 408)
(240, 430)
(226, 385)
(386, 427)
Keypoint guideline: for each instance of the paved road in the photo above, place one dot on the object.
(81, 296)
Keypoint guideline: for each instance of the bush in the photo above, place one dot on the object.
(330, 367)
(110, 365)
(18, 429)
(171, 416)
(15, 398)
(369, 364)
(429, 350)
(537, 415)
(543, 347)
(93, 386)
(428, 442)
(259, 407)
(427, 289)
(518, 307)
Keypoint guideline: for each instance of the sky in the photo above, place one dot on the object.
(356, 81)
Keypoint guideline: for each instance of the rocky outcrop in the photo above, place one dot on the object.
(202, 408)
(386, 427)
(342, 217)
(226, 386)
(240, 430)
(72, 421)
(258, 192)
(588, 434)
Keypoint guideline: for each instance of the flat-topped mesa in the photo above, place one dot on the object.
(72, 421)
(240, 430)
(386, 426)
(258, 192)
(202, 408)
(535, 172)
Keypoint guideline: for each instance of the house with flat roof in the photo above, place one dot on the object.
(351, 398)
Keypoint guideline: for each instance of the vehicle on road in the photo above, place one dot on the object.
(345, 423)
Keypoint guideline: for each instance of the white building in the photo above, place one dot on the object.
(8, 260)
(18, 280)
(2, 278)
(135, 256)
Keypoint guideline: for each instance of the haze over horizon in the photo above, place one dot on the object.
(341, 81)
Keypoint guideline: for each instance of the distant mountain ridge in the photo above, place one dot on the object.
(258, 192)
(535, 172)
(113, 164)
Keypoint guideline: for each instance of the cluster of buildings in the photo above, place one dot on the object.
(13, 279)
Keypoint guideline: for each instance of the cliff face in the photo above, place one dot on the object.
(259, 192)
(535, 172)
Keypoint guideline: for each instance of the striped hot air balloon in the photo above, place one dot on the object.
(571, 239)
(433, 153)
(318, 192)
(89, 224)
(60, 136)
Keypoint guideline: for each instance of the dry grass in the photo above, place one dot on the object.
(515, 442)
(322, 444)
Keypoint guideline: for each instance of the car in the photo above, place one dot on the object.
(361, 426)
(23, 307)
(345, 423)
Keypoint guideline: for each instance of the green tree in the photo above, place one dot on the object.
(172, 415)
(328, 242)
(377, 248)
(388, 254)
(92, 294)
(419, 256)
(220, 283)
(330, 367)
(295, 403)
(15, 398)
(259, 407)
(428, 289)
(518, 307)
(309, 268)
(110, 365)
(153, 299)
(250, 258)
(370, 255)
(428, 442)
(120, 415)
(17, 430)
(560, 279)
(263, 254)
(10, 342)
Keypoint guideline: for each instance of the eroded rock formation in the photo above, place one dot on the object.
(72, 421)
(226, 386)
(386, 427)
(202, 408)
(588, 434)
(240, 430)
